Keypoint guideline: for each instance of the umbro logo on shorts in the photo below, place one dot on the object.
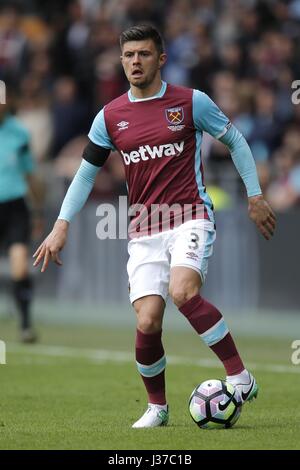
(146, 152)
(192, 255)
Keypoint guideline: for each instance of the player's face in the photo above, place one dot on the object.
(141, 62)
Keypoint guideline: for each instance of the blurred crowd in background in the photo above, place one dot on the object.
(61, 60)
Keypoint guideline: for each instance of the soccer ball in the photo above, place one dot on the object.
(215, 404)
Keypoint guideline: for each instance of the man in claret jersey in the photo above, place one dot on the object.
(157, 128)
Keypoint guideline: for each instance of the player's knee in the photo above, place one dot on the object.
(19, 270)
(180, 294)
(148, 324)
(149, 311)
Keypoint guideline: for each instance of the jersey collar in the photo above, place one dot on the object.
(158, 95)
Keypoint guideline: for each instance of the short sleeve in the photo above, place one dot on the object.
(207, 116)
(98, 133)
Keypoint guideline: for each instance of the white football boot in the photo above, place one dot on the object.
(156, 415)
(245, 384)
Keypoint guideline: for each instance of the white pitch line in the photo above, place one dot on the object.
(105, 355)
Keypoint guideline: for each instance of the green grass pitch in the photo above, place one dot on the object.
(79, 389)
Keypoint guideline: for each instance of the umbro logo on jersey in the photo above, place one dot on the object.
(146, 152)
(122, 125)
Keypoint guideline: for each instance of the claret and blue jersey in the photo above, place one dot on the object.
(159, 139)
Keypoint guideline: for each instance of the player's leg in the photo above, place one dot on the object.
(190, 254)
(22, 288)
(205, 318)
(150, 359)
(150, 354)
(148, 270)
(18, 236)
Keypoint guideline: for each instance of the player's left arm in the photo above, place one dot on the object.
(94, 156)
(208, 117)
(259, 210)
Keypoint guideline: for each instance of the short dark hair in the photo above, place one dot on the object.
(142, 32)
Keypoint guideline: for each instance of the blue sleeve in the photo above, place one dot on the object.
(207, 116)
(98, 132)
(79, 190)
(242, 159)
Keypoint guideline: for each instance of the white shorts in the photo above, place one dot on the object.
(152, 257)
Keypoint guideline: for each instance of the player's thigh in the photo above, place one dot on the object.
(148, 268)
(191, 248)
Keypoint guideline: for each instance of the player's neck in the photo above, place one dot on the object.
(151, 90)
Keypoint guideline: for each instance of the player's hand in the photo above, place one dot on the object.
(52, 245)
(262, 215)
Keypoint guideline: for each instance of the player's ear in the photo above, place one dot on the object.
(162, 60)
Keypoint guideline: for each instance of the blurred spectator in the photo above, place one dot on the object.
(180, 46)
(284, 192)
(13, 44)
(109, 78)
(34, 112)
(141, 11)
(267, 127)
(70, 112)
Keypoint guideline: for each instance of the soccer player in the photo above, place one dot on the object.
(157, 128)
(16, 179)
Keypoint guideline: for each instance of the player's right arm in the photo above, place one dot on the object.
(94, 156)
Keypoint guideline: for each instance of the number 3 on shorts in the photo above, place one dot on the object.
(194, 238)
